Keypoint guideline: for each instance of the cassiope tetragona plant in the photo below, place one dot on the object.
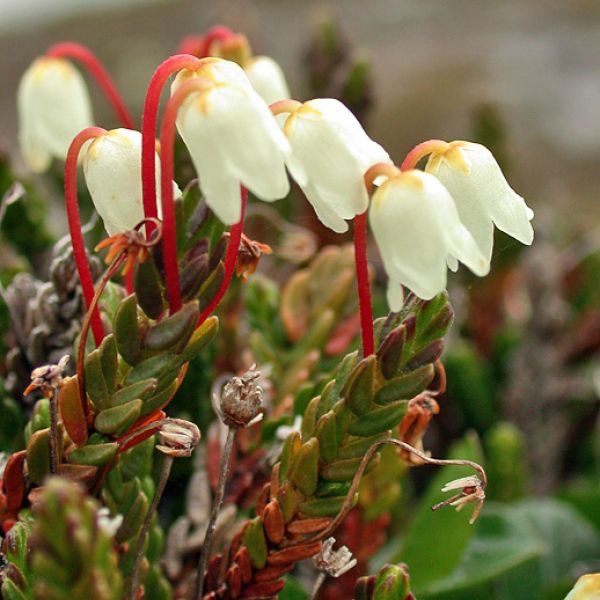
(145, 338)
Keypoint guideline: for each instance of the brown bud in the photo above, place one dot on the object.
(234, 580)
(211, 581)
(273, 573)
(241, 558)
(303, 526)
(294, 553)
(273, 521)
(263, 590)
(241, 400)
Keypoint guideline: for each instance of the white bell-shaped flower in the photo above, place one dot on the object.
(112, 166)
(416, 227)
(267, 78)
(330, 154)
(232, 138)
(482, 195)
(586, 588)
(53, 107)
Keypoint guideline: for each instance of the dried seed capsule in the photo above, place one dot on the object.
(241, 400)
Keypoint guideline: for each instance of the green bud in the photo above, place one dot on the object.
(159, 400)
(118, 419)
(289, 499)
(429, 354)
(127, 330)
(379, 420)
(254, 539)
(192, 276)
(392, 583)
(133, 517)
(200, 338)
(288, 454)
(153, 367)
(356, 447)
(147, 283)
(95, 455)
(109, 359)
(305, 470)
(38, 456)
(406, 386)
(359, 388)
(344, 470)
(390, 351)
(173, 332)
(325, 432)
(324, 507)
(95, 385)
(142, 390)
(309, 419)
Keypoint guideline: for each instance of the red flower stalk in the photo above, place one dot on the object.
(199, 45)
(362, 282)
(360, 258)
(167, 138)
(72, 205)
(149, 120)
(420, 151)
(90, 61)
(235, 237)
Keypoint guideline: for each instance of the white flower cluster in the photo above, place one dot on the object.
(422, 221)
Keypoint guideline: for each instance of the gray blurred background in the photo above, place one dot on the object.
(434, 63)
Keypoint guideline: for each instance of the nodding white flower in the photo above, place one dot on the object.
(232, 138)
(112, 166)
(416, 227)
(482, 195)
(267, 78)
(586, 588)
(330, 154)
(53, 106)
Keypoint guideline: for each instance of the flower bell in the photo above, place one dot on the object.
(586, 588)
(232, 138)
(330, 154)
(112, 168)
(482, 195)
(265, 75)
(53, 106)
(267, 78)
(416, 227)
